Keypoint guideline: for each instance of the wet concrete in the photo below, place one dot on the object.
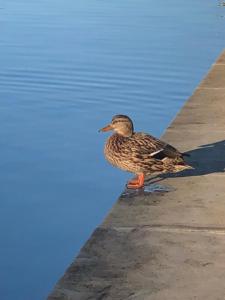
(166, 241)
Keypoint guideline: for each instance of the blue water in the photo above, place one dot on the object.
(65, 68)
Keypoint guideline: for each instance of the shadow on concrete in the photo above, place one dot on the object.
(206, 159)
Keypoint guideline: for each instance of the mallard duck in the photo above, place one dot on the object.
(140, 153)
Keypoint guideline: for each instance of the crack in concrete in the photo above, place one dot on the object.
(173, 228)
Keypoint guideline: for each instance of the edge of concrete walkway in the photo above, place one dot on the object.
(165, 245)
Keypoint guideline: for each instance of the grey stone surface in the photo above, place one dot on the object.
(167, 244)
(215, 78)
(144, 264)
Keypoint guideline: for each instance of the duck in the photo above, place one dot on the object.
(140, 153)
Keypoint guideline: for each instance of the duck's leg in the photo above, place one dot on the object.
(137, 182)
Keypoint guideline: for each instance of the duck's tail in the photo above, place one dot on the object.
(182, 167)
(176, 165)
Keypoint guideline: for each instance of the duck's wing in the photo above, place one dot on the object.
(145, 144)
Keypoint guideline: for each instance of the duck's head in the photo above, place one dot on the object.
(121, 124)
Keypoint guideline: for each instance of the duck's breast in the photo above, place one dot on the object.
(118, 152)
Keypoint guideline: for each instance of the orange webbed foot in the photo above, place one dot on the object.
(137, 182)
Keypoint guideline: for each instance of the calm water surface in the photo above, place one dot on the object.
(65, 68)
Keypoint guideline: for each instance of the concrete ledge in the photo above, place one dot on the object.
(166, 245)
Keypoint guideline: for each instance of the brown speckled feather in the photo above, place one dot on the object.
(143, 153)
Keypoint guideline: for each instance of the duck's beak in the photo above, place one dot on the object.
(106, 128)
